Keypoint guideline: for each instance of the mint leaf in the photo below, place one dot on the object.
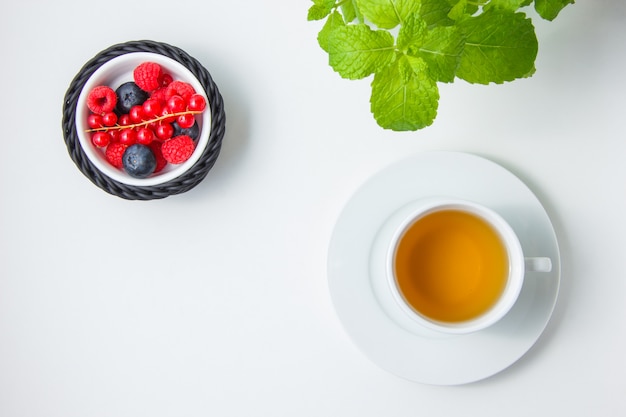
(356, 51)
(334, 21)
(320, 9)
(440, 47)
(500, 46)
(350, 11)
(479, 41)
(512, 5)
(435, 12)
(442, 50)
(387, 14)
(403, 96)
(463, 8)
(412, 33)
(459, 10)
(549, 9)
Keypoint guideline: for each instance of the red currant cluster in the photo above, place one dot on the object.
(151, 110)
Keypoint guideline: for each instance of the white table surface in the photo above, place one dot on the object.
(216, 302)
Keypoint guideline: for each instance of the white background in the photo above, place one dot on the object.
(215, 302)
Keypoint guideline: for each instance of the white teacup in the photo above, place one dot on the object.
(453, 266)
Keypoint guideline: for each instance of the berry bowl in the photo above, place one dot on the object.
(143, 120)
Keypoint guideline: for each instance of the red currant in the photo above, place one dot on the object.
(165, 113)
(94, 121)
(145, 136)
(164, 131)
(196, 103)
(176, 104)
(128, 137)
(109, 119)
(151, 108)
(185, 121)
(124, 120)
(152, 125)
(101, 139)
(115, 135)
(166, 79)
(136, 114)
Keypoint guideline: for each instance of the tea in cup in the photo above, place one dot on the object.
(456, 266)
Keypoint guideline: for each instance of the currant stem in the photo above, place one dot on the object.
(142, 123)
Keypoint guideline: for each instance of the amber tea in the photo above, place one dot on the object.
(451, 266)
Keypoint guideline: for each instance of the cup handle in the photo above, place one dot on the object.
(538, 264)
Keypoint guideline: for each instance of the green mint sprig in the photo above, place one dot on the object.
(411, 45)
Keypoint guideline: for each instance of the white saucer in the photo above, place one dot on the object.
(361, 303)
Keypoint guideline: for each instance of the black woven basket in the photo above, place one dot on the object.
(185, 181)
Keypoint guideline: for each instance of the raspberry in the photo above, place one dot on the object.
(178, 149)
(148, 76)
(160, 160)
(102, 99)
(114, 154)
(159, 94)
(180, 88)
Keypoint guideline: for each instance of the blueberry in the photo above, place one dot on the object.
(193, 132)
(128, 95)
(139, 161)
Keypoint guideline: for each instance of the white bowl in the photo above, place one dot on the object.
(116, 72)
